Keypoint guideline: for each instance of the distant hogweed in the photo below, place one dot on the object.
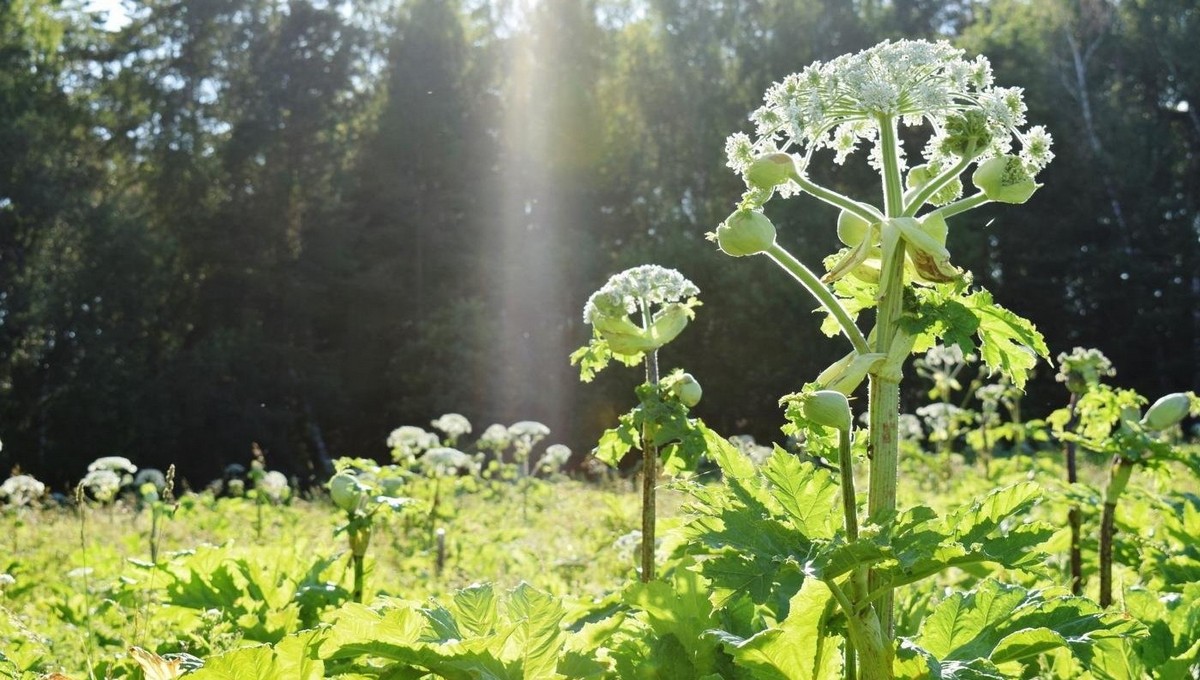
(21, 490)
(453, 425)
(1081, 368)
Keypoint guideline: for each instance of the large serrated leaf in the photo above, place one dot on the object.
(1008, 343)
(799, 648)
(807, 494)
(475, 609)
(537, 635)
(248, 663)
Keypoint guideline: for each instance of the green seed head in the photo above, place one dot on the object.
(770, 170)
(851, 229)
(746, 232)
(1004, 179)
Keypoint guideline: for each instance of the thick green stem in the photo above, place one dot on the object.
(870, 647)
(812, 283)
(849, 498)
(865, 212)
(933, 186)
(884, 397)
(961, 205)
(358, 577)
(1118, 479)
(649, 479)
(649, 463)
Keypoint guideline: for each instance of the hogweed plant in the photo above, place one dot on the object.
(1110, 421)
(1081, 370)
(632, 316)
(360, 491)
(896, 259)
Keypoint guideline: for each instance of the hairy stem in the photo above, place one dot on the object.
(1074, 515)
(812, 283)
(1118, 479)
(884, 396)
(649, 466)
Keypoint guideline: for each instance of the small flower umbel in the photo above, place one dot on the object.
(634, 314)
(896, 258)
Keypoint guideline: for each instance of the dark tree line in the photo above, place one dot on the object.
(304, 223)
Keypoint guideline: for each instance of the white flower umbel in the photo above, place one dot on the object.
(408, 441)
(838, 104)
(1082, 368)
(453, 425)
(21, 490)
(495, 438)
(443, 460)
(554, 458)
(102, 483)
(118, 464)
(274, 485)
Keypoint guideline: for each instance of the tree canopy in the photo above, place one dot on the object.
(302, 223)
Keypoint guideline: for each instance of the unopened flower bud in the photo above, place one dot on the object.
(770, 170)
(1167, 412)
(345, 490)
(828, 408)
(746, 232)
(851, 229)
(687, 390)
(967, 133)
(1004, 179)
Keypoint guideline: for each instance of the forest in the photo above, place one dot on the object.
(298, 224)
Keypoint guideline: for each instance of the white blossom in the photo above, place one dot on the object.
(103, 484)
(648, 284)
(454, 425)
(22, 490)
(555, 457)
(838, 103)
(408, 441)
(443, 460)
(118, 464)
(274, 485)
(494, 438)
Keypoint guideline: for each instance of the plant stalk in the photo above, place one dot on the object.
(812, 283)
(1074, 515)
(649, 479)
(884, 389)
(1119, 473)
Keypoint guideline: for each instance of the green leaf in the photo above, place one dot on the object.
(1008, 343)
(616, 442)
(475, 609)
(297, 656)
(537, 635)
(806, 493)
(799, 648)
(248, 663)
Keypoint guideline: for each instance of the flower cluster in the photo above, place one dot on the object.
(836, 105)
(22, 490)
(1082, 368)
(443, 460)
(274, 485)
(408, 441)
(625, 292)
(555, 457)
(495, 438)
(453, 425)
(102, 483)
